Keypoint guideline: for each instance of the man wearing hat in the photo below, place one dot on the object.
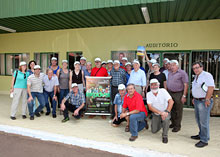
(83, 63)
(167, 69)
(118, 77)
(35, 89)
(160, 103)
(54, 65)
(165, 60)
(98, 70)
(124, 60)
(109, 66)
(75, 104)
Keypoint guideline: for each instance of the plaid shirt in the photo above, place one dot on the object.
(76, 100)
(118, 77)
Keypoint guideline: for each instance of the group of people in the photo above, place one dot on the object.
(165, 89)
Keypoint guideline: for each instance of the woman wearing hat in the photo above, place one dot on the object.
(19, 89)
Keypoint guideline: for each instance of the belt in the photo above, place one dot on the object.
(200, 99)
(174, 92)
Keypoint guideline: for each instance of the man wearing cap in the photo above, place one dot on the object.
(50, 87)
(160, 103)
(138, 78)
(103, 64)
(137, 112)
(167, 69)
(98, 70)
(35, 89)
(177, 85)
(118, 77)
(75, 105)
(88, 70)
(118, 101)
(128, 67)
(109, 66)
(124, 60)
(150, 71)
(164, 64)
(202, 90)
(83, 63)
(54, 65)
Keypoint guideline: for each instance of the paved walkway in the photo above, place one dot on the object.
(100, 130)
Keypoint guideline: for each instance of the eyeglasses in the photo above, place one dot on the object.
(195, 68)
(24, 76)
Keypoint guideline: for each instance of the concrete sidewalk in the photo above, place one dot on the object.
(101, 130)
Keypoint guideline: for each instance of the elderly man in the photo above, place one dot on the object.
(50, 87)
(137, 112)
(35, 89)
(88, 70)
(160, 103)
(202, 90)
(177, 85)
(83, 63)
(98, 70)
(118, 77)
(138, 78)
(77, 102)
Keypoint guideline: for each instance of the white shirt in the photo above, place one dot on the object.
(160, 102)
(204, 77)
(166, 72)
(49, 84)
(137, 78)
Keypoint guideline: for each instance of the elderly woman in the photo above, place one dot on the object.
(19, 90)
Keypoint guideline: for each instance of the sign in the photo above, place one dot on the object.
(152, 45)
(98, 95)
(140, 50)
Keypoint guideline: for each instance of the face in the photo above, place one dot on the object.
(82, 62)
(116, 66)
(54, 62)
(75, 89)
(122, 92)
(104, 65)
(50, 74)
(128, 67)
(156, 68)
(109, 65)
(167, 66)
(197, 69)
(98, 64)
(131, 90)
(123, 62)
(88, 66)
(65, 65)
(174, 67)
(121, 55)
(32, 65)
(37, 71)
(23, 67)
(164, 63)
(77, 66)
(154, 87)
(136, 66)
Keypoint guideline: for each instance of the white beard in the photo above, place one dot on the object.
(154, 90)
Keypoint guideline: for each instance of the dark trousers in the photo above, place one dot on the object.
(71, 108)
(177, 110)
(114, 91)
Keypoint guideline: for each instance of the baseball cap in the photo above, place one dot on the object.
(116, 62)
(83, 58)
(174, 61)
(54, 58)
(64, 61)
(136, 61)
(74, 85)
(153, 61)
(154, 81)
(76, 62)
(128, 63)
(124, 58)
(121, 87)
(98, 60)
(37, 67)
(156, 64)
(110, 61)
(103, 62)
(22, 63)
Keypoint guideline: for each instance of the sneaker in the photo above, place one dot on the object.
(24, 116)
(65, 120)
(196, 137)
(165, 140)
(37, 114)
(201, 144)
(31, 117)
(13, 118)
(47, 113)
(133, 138)
(54, 115)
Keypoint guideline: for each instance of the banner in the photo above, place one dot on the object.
(98, 98)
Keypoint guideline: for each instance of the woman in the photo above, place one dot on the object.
(78, 76)
(19, 89)
(31, 65)
(64, 76)
(128, 67)
(104, 64)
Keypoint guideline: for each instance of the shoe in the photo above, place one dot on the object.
(13, 118)
(24, 116)
(31, 117)
(196, 137)
(171, 126)
(54, 115)
(47, 113)
(42, 112)
(201, 144)
(37, 114)
(176, 129)
(65, 120)
(147, 126)
(165, 140)
(127, 129)
(133, 138)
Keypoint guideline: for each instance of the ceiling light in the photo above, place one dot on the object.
(7, 29)
(145, 14)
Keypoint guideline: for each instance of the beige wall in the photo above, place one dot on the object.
(101, 41)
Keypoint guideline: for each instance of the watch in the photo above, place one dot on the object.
(207, 99)
(184, 96)
(127, 114)
(167, 111)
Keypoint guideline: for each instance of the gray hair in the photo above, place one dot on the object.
(131, 84)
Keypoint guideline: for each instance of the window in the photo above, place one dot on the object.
(2, 63)
(72, 57)
(44, 59)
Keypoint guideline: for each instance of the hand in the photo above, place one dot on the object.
(55, 97)
(76, 112)
(143, 94)
(123, 115)
(207, 103)
(11, 90)
(193, 101)
(183, 100)
(62, 107)
(164, 115)
(30, 99)
(115, 118)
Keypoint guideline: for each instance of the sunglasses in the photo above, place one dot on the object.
(24, 76)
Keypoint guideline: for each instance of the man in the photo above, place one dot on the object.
(164, 64)
(118, 77)
(103, 64)
(77, 102)
(83, 63)
(54, 65)
(50, 87)
(168, 69)
(124, 60)
(88, 70)
(160, 103)
(138, 78)
(202, 90)
(118, 101)
(150, 71)
(121, 55)
(98, 70)
(177, 85)
(109, 66)
(136, 111)
(35, 89)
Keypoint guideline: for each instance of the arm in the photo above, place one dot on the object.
(70, 80)
(84, 85)
(165, 84)
(12, 84)
(29, 92)
(209, 95)
(58, 73)
(183, 99)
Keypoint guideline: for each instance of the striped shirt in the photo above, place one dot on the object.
(76, 100)
(118, 77)
(36, 83)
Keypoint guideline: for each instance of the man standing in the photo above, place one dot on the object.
(77, 102)
(177, 85)
(137, 112)
(124, 60)
(98, 70)
(118, 77)
(35, 89)
(202, 90)
(160, 103)
(83, 63)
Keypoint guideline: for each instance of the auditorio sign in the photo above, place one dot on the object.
(150, 45)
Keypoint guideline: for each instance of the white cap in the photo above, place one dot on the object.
(110, 61)
(64, 61)
(128, 63)
(83, 58)
(165, 59)
(37, 67)
(89, 63)
(121, 87)
(124, 58)
(174, 61)
(103, 62)
(74, 85)
(22, 63)
(98, 60)
(136, 61)
(156, 64)
(167, 62)
(76, 62)
(54, 58)
(116, 62)
(154, 81)
(153, 61)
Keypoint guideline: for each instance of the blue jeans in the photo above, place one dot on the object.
(63, 93)
(41, 100)
(202, 115)
(137, 123)
(54, 103)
